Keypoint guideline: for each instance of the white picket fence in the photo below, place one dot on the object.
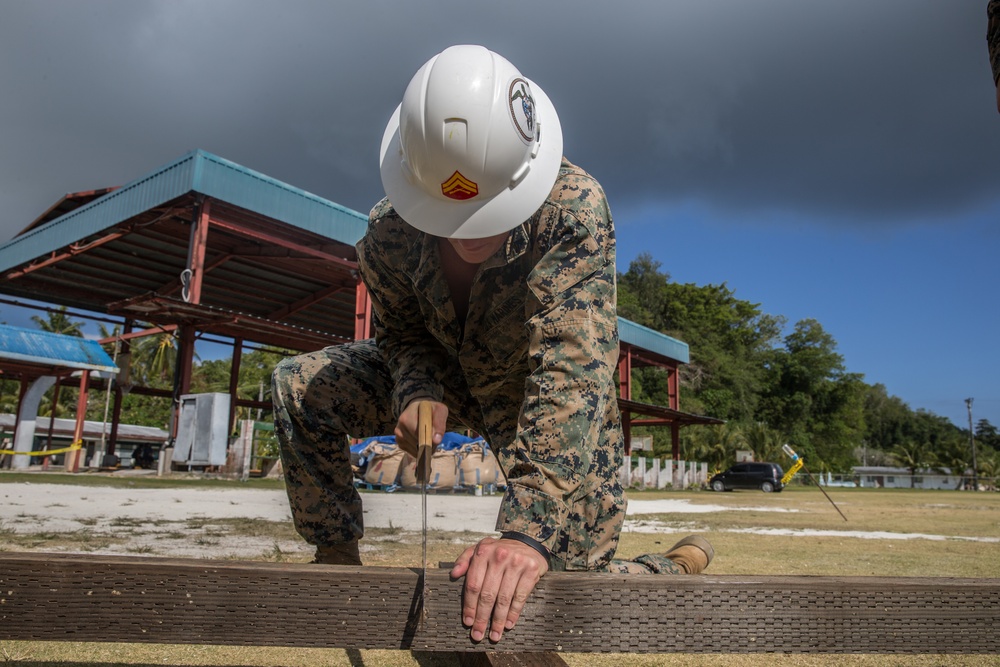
(640, 472)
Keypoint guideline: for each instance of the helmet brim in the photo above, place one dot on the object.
(472, 219)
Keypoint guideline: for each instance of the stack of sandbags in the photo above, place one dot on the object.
(478, 466)
(444, 471)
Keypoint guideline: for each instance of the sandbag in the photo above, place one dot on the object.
(444, 471)
(384, 464)
(478, 466)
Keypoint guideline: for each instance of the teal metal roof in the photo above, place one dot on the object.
(654, 341)
(201, 172)
(32, 346)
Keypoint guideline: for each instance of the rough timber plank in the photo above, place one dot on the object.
(156, 600)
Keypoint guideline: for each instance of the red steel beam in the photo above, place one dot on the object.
(305, 302)
(55, 258)
(166, 328)
(284, 243)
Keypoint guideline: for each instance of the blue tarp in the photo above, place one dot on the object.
(449, 441)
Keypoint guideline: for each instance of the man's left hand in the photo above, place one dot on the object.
(499, 577)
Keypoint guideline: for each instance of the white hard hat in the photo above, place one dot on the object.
(474, 148)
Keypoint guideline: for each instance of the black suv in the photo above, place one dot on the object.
(763, 476)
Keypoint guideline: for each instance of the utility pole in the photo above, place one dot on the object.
(972, 443)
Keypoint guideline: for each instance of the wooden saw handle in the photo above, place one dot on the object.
(425, 440)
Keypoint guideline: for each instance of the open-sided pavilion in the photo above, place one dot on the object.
(203, 246)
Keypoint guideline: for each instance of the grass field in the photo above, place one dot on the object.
(797, 532)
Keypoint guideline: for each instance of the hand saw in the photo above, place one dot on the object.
(425, 451)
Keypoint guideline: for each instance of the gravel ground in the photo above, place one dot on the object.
(179, 521)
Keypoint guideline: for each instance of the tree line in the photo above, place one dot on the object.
(772, 385)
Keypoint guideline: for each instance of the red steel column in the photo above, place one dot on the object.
(73, 457)
(123, 377)
(673, 397)
(625, 391)
(362, 311)
(625, 372)
(191, 294)
(196, 251)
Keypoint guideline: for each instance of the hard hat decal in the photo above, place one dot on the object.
(459, 187)
(522, 109)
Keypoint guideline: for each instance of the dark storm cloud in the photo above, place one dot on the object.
(855, 109)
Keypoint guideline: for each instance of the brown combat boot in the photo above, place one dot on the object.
(692, 554)
(338, 554)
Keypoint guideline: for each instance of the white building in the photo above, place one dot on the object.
(887, 477)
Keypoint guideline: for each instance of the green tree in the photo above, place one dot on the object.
(915, 457)
(716, 444)
(59, 400)
(744, 370)
(765, 442)
(989, 470)
(886, 418)
(641, 292)
(953, 459)
(253, 383)
(58, 321)
(729, 338)
(813, 400)
(987, 435)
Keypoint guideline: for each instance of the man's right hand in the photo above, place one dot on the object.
(407, 434)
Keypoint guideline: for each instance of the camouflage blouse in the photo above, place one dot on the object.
(533, 367)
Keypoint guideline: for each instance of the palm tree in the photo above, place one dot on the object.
(154, 358)
(953, 459)
(914, 457)
(59, 322)
(716, 445)
(764, 441)
(989, 470)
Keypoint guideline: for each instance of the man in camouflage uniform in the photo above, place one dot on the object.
(510, 333)
(993, 42)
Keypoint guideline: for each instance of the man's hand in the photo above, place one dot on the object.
(406, 428)
(499, 577)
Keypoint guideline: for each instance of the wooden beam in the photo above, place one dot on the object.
(159, 600)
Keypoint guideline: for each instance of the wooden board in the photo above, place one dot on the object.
(59, 597)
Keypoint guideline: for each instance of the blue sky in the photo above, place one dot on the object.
(836, 161)
(911, 306)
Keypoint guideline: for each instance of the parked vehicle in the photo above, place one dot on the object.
(763, 476)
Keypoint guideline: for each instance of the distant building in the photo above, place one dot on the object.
(131, 439)
(887, 477)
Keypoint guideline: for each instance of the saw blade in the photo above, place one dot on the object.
(425, 451)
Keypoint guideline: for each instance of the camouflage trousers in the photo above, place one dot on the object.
(324, 398)
(993, 37)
